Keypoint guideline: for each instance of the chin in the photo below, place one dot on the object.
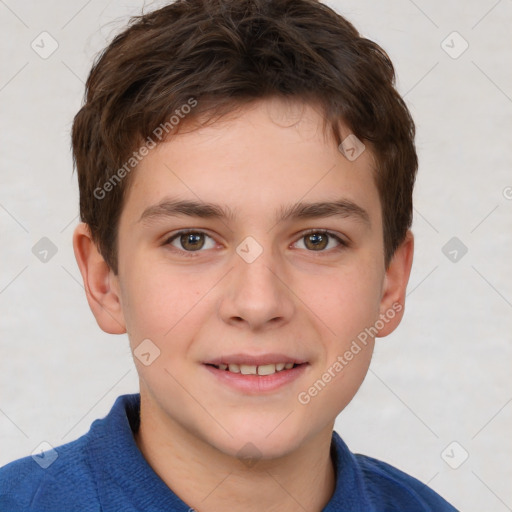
(265, 442)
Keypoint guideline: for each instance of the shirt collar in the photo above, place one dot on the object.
(127, 482)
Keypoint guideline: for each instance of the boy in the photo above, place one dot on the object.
(246, 171)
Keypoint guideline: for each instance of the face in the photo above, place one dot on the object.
(248, 273)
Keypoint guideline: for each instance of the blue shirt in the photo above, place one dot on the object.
(104, 470)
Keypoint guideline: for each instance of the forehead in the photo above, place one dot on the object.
(256, 161)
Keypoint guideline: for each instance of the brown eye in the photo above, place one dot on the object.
(319, 241)
(316, 241)
(191, 241)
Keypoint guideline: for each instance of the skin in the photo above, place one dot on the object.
(293, 299)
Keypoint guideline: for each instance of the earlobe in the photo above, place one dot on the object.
(395, 284)
(102, 295)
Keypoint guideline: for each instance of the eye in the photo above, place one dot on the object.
(191, 241)
(318, 240)
(315, 240)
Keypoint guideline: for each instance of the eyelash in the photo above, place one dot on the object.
(342, 243)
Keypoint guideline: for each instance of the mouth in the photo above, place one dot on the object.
(256, 374)
(252, 369)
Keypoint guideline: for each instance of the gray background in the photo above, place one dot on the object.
(444, 376)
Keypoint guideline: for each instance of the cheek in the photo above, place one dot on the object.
(161, 307)
(156, 301)
(348, 301)
(348, 306)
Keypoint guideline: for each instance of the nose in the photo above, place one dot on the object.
(256, 295)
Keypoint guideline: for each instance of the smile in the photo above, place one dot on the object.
(255, 379)
(247, 369)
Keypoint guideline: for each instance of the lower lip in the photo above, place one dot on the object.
(256, 384)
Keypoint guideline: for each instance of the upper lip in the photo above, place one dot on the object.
(255, 360)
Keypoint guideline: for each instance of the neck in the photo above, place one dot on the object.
(209, 480)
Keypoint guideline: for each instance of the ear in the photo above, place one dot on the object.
(395, 284)
(100, 283)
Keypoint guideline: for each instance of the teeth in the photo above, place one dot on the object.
(249, 369)
(266, 369)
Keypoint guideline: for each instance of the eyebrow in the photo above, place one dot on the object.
(342, 208)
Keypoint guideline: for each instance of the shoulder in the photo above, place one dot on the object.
(391, 488)
(77, 475)
(58, 475)
(370, 485)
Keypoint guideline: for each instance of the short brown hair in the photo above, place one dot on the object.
(224, 53)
